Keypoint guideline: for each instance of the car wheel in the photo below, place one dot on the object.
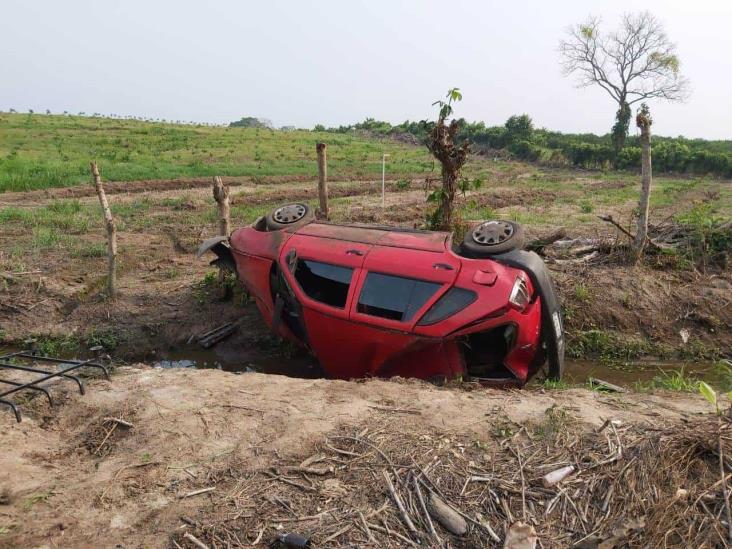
(288, 216)
(492, 238)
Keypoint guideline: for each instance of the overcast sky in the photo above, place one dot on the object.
(336, 62)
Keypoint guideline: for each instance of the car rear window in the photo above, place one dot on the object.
(324, 282)
(394, 297)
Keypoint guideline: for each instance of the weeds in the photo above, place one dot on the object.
(37, 498)
(556, 420)
(57, 346)
(581, 293)
(674, 380)
(608, 347)
(710, 240)
(555, 384)
(106, 338)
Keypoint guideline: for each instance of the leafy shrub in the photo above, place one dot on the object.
(525, 150)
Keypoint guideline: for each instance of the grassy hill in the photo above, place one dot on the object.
(41, 151)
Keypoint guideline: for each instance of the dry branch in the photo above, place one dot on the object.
(624, 488)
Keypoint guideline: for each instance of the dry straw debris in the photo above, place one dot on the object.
(621, 486)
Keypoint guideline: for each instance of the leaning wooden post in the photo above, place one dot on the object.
(111, 233)
(221, 196)
(643, 121)
(322, 179)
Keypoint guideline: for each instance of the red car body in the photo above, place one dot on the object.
(378, 301)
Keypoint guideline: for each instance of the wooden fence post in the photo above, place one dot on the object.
(111, 232)
(322, 179)
(644, 121)
(221, 196)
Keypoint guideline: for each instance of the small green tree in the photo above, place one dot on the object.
(619, 131)
(452, 157)
(519, 128)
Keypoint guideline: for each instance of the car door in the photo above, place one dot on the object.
(396, 287)
(322, 274)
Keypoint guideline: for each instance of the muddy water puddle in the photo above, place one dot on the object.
(577, 372)
(302, 366)
(646, 373)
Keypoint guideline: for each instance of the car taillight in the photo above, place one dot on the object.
(519, 297)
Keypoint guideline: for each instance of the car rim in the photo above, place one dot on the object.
(491, 233)
(289, 213)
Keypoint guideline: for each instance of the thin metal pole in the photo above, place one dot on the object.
(383, 180)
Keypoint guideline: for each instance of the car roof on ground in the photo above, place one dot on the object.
(381, 235)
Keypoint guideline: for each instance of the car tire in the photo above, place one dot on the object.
(288, 216)
(492, 238)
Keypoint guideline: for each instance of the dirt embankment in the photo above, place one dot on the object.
(245, 457)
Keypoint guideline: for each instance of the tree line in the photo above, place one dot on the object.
(518, 138)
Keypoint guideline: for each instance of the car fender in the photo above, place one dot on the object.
(219, 246)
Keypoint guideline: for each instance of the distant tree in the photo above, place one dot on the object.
(519, 128)
(12, 110)
(452, 157)
(635, 63)
(30, 111)
(251, 122)
(48, 111)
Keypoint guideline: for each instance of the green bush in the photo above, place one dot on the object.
(525, 150)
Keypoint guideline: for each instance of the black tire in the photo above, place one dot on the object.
(492, 238)
(288, 216)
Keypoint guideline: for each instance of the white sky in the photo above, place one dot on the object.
(302, 62)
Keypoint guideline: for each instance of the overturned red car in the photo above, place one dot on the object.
(386, 301)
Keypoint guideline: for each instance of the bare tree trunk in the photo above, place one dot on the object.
(221, 195)
(322, 179)
(644, 122)
(111, 232)
(441, 143)
(445, 211)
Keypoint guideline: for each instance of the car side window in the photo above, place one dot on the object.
(394, 297)
(324, 282)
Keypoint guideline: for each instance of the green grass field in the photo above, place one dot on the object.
(41, 151)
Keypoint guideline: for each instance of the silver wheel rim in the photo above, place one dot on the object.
(491, 233)
(289, 214)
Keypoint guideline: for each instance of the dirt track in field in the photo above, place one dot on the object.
(123, 187)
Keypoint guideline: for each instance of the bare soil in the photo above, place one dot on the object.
(162, 302)
(70, 478)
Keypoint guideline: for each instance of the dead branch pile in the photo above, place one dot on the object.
(615, 486)
(703, 245)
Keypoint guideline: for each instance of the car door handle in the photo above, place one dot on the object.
(443, 267)
(354, 252)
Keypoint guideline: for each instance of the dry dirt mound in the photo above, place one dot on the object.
(226, 457)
